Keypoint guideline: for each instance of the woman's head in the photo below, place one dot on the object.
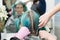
(19, 7)
(14, 38)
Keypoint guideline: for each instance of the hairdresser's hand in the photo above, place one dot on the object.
(43, 20)
(46, 35)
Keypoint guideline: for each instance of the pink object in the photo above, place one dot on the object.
(23, 32)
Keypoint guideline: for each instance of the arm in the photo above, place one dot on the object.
(46, 35)
(45, 18)
(54, 10)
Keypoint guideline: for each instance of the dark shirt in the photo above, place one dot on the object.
(40, 8)
(42, 5)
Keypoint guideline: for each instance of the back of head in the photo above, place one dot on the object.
(14, 38)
